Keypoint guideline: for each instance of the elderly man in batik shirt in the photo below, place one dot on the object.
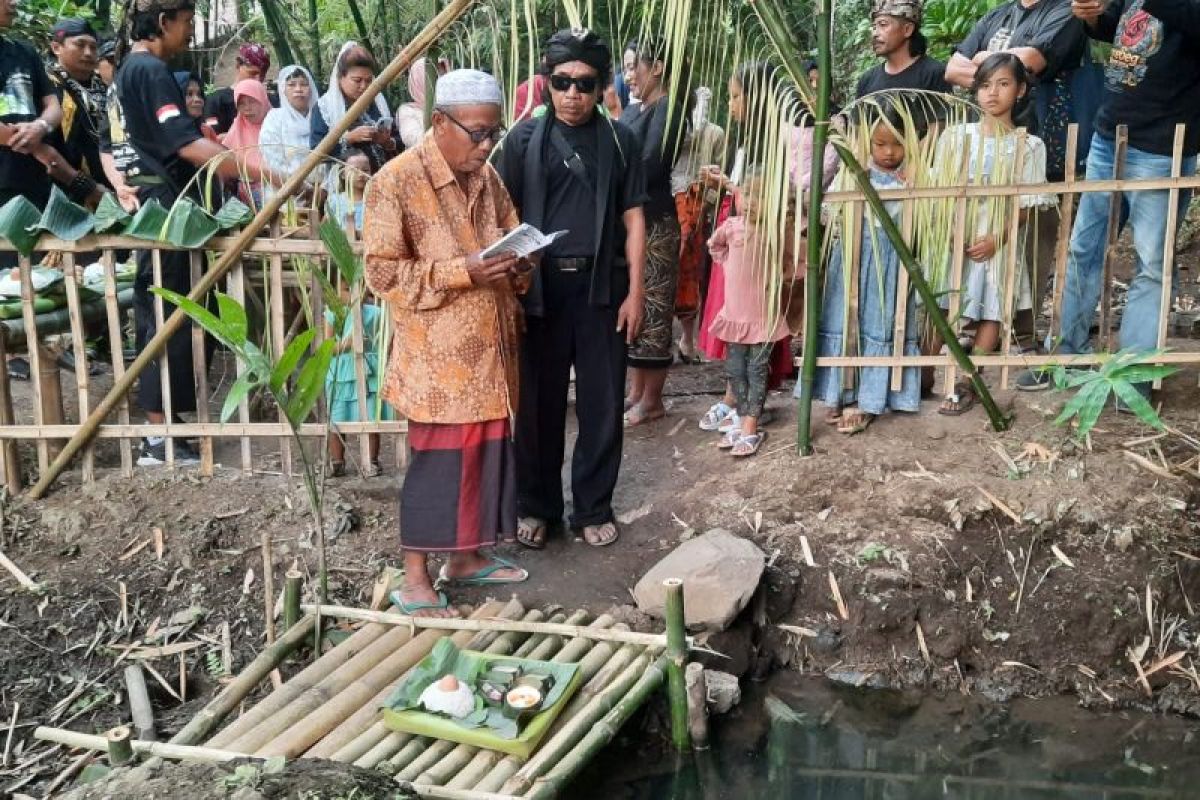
(453, 369)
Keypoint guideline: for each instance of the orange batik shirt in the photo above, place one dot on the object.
(454, 344)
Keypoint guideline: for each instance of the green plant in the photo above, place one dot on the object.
(1117, 375)
(947, 23)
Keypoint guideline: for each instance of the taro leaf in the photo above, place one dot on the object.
(290, 360)
(340, 252)
(64, 219)
(203, 316)
(109, 214)
(237, 392)
(188, 225)
(148, 222)
(309, 384)
(232, 214)
(18, 221)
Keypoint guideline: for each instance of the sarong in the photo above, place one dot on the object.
(689, 207)
(652, 349)
(460, 490)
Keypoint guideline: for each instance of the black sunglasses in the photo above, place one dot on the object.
(479, 137)
(562, 83)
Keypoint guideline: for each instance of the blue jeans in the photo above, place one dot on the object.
(1089, 239)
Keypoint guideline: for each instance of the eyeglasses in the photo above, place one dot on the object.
(479, 137)
(563, 83)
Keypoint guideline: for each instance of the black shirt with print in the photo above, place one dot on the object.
(1047, 26)
(23, 86)
(148, 124)
(78, 137)
(1152, 79)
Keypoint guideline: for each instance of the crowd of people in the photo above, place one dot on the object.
(666, 215)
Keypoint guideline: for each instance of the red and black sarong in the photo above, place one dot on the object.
(460, 490)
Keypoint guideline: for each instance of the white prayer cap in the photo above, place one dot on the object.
(467, 87)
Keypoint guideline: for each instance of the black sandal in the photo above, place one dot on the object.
(963, 399)
(18, 369)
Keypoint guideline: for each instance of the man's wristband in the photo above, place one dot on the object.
(81, 187)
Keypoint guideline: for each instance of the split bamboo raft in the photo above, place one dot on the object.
(331, 708)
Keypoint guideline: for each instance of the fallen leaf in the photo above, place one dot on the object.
(632, 516)
(824, 514)
(248, 581)
(1061, 556)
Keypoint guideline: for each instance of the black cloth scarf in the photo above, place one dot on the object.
(536, 176)
(91, 98)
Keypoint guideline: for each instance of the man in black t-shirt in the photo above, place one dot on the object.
(159, 148)
(253, 62)
(1042, 33)
(82, 96)
(574, 169)
(896, 36)
(29, 113)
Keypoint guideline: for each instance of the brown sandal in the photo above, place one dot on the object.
(596, 535)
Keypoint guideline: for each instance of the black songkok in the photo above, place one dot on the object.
(579, 44)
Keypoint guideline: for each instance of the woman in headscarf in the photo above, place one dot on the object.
(193, 96)
(410, 117)
(284, 138)
(252, 102)
(371, 132)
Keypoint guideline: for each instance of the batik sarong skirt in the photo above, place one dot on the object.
(652, 350)
(460, 490)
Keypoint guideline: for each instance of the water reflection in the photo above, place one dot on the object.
(810, 739)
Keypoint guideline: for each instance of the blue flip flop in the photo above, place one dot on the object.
(397, 599)
(483, 577)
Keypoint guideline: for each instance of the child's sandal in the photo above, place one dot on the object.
(729, 440)
(748, 445)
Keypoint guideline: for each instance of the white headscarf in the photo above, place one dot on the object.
(283, 140)
(333, 102)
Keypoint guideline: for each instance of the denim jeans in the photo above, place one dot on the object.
(1089, 239)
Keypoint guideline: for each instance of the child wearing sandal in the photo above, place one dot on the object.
(341, 384)
(853, 409)
(989, 148)
(744, 322)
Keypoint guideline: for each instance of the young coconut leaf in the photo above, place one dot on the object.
(18, 221)
(290, 359)
(309, 384)
(148, 222)
(109, 216)
(188, 225)
(64, 219)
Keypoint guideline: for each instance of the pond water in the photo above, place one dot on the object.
(808, 738)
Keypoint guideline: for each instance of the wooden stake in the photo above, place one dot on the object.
(23, 579)
(697, 694)
(677, 653)
(291, 597)
(139, 703)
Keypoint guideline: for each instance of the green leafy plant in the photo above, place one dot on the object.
(1118, 375)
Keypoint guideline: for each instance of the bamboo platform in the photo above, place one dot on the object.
(331, 708)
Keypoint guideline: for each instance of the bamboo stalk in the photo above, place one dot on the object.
(351, 739)
(443, 793)
(600, 734)
(677, 653)
(812, 297)
(473, 772)
(181, 752)
(120, 746)
(556, 747)
(1120, 146)
(406, 755)
(552, 644)
(10, 456)
(268, 559)
(402, 61)
(578, 647)
(535, 641)
(308, 677)
(437, 749)
(1063, 244)
(139, 703)
(229, 697)
(387, 747)
(291, 598)
(697, 694)
(196, 260)
(787, 50)
(478, 624)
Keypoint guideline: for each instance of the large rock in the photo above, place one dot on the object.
(719, 571)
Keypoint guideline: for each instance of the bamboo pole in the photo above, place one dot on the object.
(697, 694)
(405, 757)
(473, 772)
(291, 598)
(442, 793)
(1062, 246)
(388, 746)
(600, 734)
(363, 722)
(444, 19)
(1013, 258)
(33, 346)
(1168, 260)
(306, 678)
(677, 653)
(120, 746)
(10, 456)
(552, 644)
(79, 350)
(229, 697)
(436, 751)
(90, 741)
(812, 297)
(139, 703)
(200, 370)
(117, 351)
(536, 640)
(478, 624)
(787, 50)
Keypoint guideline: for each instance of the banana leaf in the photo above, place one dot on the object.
(188, 225)
(233, 214)
(109, 215)
(64, 219)
(18, 221)
(148, 222)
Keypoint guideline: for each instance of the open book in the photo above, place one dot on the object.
(522, 241)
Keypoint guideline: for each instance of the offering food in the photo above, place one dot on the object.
(523, 698)
(448, 696)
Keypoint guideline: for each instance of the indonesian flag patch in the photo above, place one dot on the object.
(169, 111)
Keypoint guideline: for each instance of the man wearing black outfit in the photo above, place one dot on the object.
(896, 36)
(158, 147)
(575, 169)
(29, 113)
(82, 96)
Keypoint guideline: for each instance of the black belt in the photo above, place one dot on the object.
(578, 264)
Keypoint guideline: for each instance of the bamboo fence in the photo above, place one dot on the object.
(331, 708)
(1069, 190)
(273, 281)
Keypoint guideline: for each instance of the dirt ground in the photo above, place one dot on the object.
(942, 588)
